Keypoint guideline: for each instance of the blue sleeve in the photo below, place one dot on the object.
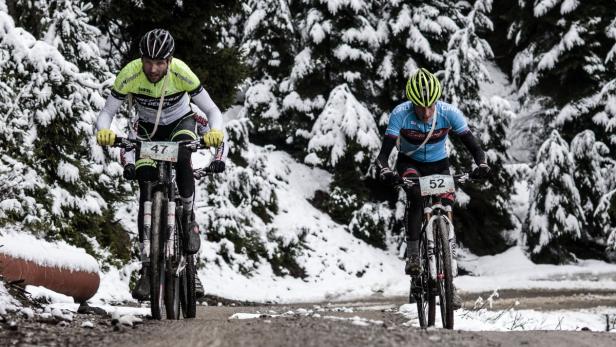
(456, 120)
(395, 124)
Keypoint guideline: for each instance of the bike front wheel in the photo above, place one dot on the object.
(421, 287)
(188, 297)
(444, 273)
(172, 294)
(157, 265)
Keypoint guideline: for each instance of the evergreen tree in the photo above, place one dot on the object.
(560, 43)
(338, 40)
(465, 71)
(62, 187)
(592, 164)
(556, 217)
(268, 43)
(344, 129)
(68, 29)
(605, 219)
(244, 199)
(415, 35)
(344, 139)
(268, 39)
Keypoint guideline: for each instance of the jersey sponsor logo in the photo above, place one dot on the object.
(144, 90)
(151, 102)
(417, 137)
(199, 119)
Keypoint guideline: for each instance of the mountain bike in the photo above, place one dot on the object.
(437, 249)
(172, 269)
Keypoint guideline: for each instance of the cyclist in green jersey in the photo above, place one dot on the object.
(162, 88)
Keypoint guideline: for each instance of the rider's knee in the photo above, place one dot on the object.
(410, 172)
(448, 198)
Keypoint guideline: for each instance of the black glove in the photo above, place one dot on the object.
(481, 172)
(389, 177)
(129, 172)
(217, 166)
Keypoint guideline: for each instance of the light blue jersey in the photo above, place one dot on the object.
(411, 131)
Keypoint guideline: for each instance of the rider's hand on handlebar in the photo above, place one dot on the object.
(217, 166)
(389, 177)
(105, 137)
(129, 172)
(213, 138)
(481, 172)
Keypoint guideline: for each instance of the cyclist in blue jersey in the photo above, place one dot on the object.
(420, 128)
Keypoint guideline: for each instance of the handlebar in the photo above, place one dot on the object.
(193, 145)
(126, 143)
(408, 182)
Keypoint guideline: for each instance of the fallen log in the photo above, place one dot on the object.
(57, 266)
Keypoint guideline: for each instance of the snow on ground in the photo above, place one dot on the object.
(513, 270)
(7, 302)
(595, 319)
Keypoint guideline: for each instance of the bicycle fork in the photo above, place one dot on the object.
(451, 236)
(171, 235)
(147, 227)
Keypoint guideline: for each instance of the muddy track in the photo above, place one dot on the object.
(373, 322)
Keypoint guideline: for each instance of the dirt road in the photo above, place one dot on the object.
(363, 323)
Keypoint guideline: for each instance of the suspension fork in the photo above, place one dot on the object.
(170, 236)
(147, 220)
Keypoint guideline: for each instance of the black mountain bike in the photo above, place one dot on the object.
(172, 269)
(437, 248)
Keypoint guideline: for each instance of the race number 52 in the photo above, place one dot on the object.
(436, 184)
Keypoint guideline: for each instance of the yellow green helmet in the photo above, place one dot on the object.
(423, 88)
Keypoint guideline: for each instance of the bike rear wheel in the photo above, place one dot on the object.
(157, 265)
(444, 274)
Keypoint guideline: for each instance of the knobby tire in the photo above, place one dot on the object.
(157, 266)
(445, 285)
(188, 297)
(426, 302)
(172, 282)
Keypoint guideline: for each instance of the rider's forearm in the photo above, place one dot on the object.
(470, 141)
(389, 142)
(207, 105)
(112, 105)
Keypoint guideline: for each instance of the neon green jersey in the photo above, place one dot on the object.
(176, 104)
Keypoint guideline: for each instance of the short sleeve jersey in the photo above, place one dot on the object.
(412, 131)
(182, 83)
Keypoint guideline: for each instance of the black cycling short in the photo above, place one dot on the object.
(181, 129)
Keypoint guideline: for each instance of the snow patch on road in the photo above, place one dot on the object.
(596, 319)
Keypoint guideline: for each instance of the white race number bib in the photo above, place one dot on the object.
(436, 184)
(164, 151)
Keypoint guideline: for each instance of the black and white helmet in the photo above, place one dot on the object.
(157, 44)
